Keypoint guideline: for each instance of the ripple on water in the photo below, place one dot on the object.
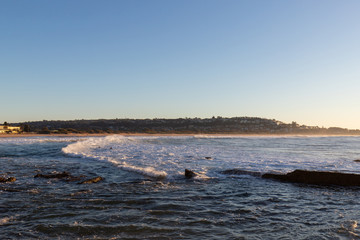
(349, 229)
(79, 229)
(133, 206)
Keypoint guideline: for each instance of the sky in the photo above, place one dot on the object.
(83, 59)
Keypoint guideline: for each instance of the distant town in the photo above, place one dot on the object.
(214, 125)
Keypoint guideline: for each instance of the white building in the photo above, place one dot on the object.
(9, 129)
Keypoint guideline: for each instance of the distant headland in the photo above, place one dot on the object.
(214, 125)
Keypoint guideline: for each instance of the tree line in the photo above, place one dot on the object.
(235, 125)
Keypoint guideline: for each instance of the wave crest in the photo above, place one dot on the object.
(100, 148)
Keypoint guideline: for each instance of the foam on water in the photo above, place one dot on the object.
(121, 151)
(165, 156)
(159, 157)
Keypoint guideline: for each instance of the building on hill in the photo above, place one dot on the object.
(9, 129)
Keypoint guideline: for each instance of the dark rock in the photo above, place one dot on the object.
(5, 180)
(189, 173)
(241, 172)
(357, 160)
(319, 178)
(208, 158)
(92, 180)
(75, 178)
(67, 177)
(54, 175)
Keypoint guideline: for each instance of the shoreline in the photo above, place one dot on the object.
(13, 135)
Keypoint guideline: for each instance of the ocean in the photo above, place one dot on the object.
(144, 194)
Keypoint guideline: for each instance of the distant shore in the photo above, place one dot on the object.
(14, 135)
(188, 126)
(4, 135)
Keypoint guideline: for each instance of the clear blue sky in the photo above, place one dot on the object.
(83, 59)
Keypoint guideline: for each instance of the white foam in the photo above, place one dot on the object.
(168, 156)
(147, 171)
(114, 149)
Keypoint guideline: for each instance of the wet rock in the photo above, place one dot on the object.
(318, 178)
(92, 180)
(240, 172)
(67, 177)
(208, 158)
(75, 178)
(6, 180)
(189, 173)
(54, 175)
(357, 160)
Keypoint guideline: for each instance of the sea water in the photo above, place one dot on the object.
(144, 194)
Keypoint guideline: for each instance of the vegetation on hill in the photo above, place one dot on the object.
(235, 125)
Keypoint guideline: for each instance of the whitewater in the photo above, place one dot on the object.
(167, 157)
(144, 194)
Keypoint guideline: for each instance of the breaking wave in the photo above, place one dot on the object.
(142, 155)
(168, 156)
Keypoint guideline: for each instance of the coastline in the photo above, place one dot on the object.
(5, 135)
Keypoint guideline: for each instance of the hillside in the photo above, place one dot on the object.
(235, 125)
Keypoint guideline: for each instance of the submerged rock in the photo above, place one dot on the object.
(241, 172)
(5, 180)
(63, 176)
(189, 173)
(92, 180)
(54, 175)
(75, 178)
(67, 177)
(319, 178)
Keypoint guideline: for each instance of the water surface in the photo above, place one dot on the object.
(144, 194)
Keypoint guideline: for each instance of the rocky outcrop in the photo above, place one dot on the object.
(68, 177)
(318, 178)
(189, 174)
